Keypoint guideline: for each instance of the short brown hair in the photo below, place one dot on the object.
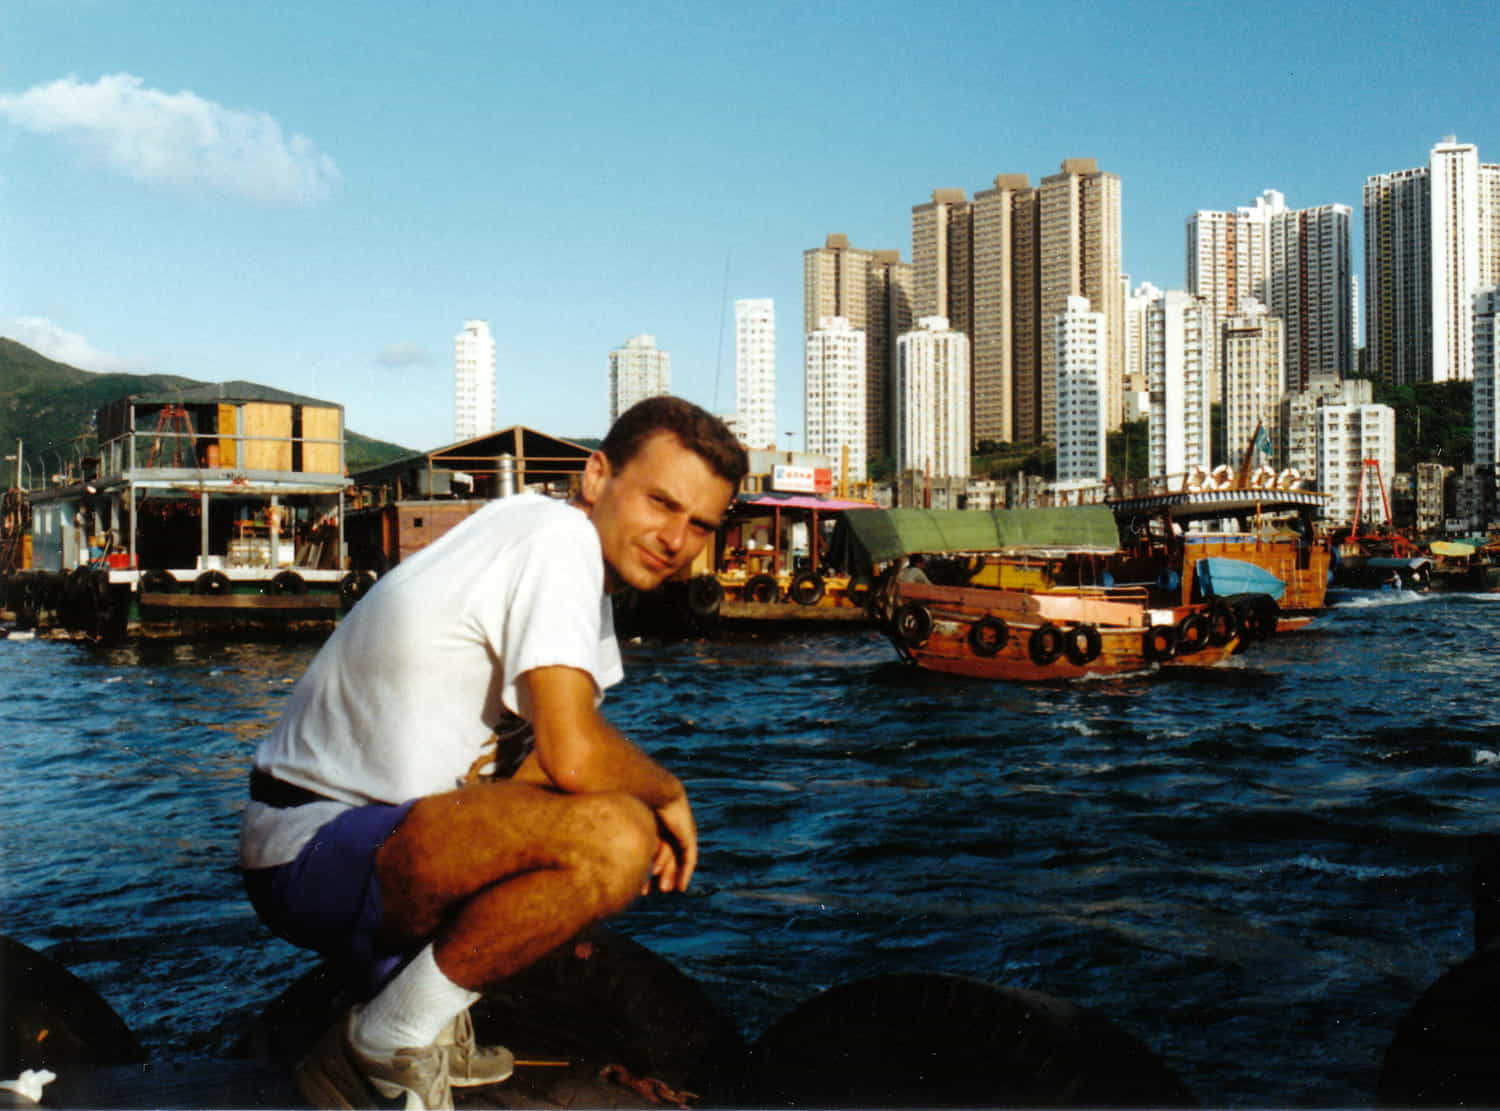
(697, 429)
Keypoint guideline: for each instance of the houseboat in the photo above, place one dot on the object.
(208, 510)
(1026, 595)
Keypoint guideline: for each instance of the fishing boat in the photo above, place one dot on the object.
(1026, 595)
(1472, 567)
(213, 509)
(1379, 559)
(1256, 544)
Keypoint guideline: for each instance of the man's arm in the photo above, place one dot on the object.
(580, 752)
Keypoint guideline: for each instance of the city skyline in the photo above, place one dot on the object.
(315, 203)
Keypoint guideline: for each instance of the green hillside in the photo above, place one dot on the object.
(50, 406)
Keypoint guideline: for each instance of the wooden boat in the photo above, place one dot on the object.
(989, 633)
(1027, 595)
(770, 564)
(1173, 542)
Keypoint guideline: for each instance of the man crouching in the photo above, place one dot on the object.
(368, 838)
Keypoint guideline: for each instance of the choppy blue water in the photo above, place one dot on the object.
(1256, 870)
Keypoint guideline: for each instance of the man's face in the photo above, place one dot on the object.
(655, 513)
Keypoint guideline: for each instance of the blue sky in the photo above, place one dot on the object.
(316, 196)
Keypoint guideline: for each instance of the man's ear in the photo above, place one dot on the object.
(596, 472)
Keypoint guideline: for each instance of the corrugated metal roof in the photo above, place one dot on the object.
(541, 453)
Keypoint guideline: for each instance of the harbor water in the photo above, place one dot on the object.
(1256, 870)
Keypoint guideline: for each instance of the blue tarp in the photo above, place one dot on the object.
(1219, 577)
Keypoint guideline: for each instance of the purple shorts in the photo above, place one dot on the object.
(328, 898)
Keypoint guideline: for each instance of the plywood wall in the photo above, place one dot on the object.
(228, 427)
(321, 423)
(267, 430)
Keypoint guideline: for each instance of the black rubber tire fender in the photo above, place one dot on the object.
(1257, 615)
(1159, 642)
(761, 588)
(1193, 633)
(1083, 643)
(1267, 615)
(354, 586)
(913, 623)
(988, 635)
(287, 582)
(704, 595)
(807, 589)
(211, 583)
(157, 581)
(1045, 644)
(1223, 625)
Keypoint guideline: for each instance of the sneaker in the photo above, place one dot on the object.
(336, 1075)
(471, 1064)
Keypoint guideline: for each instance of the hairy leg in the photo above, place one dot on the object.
(499, 874)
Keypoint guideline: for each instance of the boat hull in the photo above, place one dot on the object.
(987, 633)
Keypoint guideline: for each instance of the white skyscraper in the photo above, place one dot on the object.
(1082, 360)
(755, 371)
(834, 375)
(1178, 371)
(1432, 241)
(1252, 360)
(1348, 435)
(930, 401)
(637, 371)
(1137, 378)
(473, 381)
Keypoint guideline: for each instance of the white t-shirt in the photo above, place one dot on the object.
(401, 700)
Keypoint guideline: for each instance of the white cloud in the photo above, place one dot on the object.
(176, 138)
(62, 346)
(403, 354)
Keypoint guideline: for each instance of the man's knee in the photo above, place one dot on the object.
(617, 832)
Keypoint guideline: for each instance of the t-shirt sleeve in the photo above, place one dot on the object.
(552, 613)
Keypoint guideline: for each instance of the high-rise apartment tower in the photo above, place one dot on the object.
(755, 371)
(835, 376)
(637, 371)
(1178, 370)
(1002, 267)
(1293, 261)
(473, 381)
(1082, 387)
(1252, 352)
(931, 401)
(1432, 241)
(872, 291)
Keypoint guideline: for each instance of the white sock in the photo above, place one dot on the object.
(412, 1010)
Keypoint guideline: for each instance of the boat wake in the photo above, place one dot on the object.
(1367, 599)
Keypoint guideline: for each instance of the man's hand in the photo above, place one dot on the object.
(676, 847)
